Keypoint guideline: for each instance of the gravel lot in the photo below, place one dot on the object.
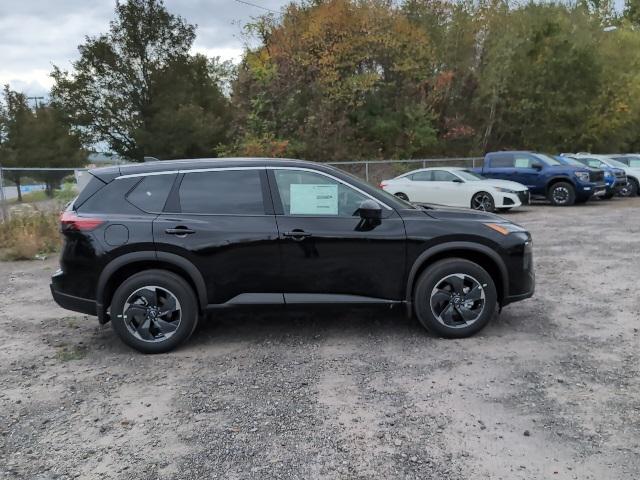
(549, 390)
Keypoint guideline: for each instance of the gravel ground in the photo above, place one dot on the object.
(549, 390)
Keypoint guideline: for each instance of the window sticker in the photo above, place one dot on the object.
(309, 199)
(522, 162)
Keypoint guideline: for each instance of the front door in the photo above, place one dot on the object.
(328, 251)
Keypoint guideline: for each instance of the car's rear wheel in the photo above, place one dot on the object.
(455, 298)
(402, 196)
(154, 311)
(483, 201)
(562, 194)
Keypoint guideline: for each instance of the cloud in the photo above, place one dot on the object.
(35, 35)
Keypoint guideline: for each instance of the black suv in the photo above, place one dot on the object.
(154, 246)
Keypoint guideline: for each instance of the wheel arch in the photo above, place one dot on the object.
(552, 181)
(477, 253)
(129, 264)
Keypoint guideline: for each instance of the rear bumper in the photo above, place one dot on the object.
(76, 304)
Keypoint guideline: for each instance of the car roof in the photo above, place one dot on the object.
(109, 173)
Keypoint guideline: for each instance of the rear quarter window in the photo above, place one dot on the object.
(502, 161)
(151, 193)
(111, 198)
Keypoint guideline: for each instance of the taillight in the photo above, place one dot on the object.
(382, 184)
(70, 221)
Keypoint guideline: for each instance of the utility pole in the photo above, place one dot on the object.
(3, 205)
(35, 99)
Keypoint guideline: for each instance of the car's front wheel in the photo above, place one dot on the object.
(483, 201)
(562, 194)
(455, 298)
(402, 196)
(154, 311)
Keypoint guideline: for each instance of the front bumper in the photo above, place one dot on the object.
(592, 189)
(511, 200)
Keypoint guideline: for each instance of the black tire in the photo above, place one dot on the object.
(608, 195)
(634, 188)
(427, 303)
(402, 196)
(483, 201)
(162, 282)
(562, 194)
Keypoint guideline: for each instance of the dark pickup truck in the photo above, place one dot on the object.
(545, 176)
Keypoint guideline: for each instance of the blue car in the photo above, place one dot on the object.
(615, 178)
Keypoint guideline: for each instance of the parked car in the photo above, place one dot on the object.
(614, 178)
(544, 176)
(630, 169)
(152, 247)
(457, 187)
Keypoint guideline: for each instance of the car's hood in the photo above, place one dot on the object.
(446, 213)
(518, 187)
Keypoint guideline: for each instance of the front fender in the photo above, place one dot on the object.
(435, 250)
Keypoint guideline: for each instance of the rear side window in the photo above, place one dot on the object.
(151, 193)
(224, 192)
(443, 176)
(502, 161)
(422, 176)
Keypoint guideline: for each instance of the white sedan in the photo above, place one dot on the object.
(457, 187)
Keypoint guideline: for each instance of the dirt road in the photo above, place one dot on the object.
(549, 390)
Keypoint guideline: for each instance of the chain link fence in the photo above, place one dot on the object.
(42, 186)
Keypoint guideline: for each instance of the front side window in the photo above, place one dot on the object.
(223, 192)
(523, 161)
(309, 193)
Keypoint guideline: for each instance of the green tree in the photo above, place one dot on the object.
(36, 138)
(138, 89)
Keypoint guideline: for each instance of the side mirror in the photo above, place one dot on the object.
(457, 180)
(370, 210)
(536, 166)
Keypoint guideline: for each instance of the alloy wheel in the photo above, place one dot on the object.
(152, 314)
(482, 202)
(457, 300)
(560, 195)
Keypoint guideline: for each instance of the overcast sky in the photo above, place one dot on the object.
(36, 34)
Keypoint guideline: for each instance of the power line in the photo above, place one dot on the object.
(257, 6)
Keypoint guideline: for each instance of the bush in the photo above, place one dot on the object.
(25, 236)
(67, 193)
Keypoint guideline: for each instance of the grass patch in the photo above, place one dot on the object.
(69, 353)
(27, 235)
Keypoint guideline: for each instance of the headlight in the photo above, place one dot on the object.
(505, 190)
(505, 228)
(583, 176)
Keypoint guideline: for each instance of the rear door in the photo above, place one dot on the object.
(501, 165)
(329, 253)
(222, 221)
(420, 187)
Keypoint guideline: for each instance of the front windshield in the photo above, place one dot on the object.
(547, 159)
(573, 161)
(616, 163)
(468, 176)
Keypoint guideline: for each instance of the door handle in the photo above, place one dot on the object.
(179, 231)
(296, 235)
